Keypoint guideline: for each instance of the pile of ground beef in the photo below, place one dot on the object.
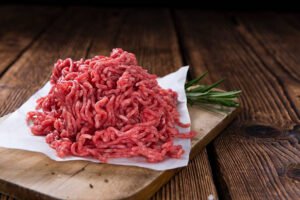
(108, 107)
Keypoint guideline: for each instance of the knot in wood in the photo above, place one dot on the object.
(293, 171)
(262, 131)
(295, 132)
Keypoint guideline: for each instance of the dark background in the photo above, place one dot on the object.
(280, 5)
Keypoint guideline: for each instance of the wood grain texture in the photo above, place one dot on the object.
(6, 197)
(20, 27)
(278, 47)
(99, 31)
(258, 155)
(61, 40)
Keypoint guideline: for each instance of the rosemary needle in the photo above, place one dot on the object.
(198, 94)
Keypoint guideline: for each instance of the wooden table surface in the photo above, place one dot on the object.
(257, 156)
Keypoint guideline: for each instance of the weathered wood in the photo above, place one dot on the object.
(278, 47)
(20, 27)
(193, 182)
(62, 39)
(257, 157)
(99, 31)
(6, 197)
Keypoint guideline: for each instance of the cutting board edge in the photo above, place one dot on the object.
(216, 130)
(148, 191)
(19, 192)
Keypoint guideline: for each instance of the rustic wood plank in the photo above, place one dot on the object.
(20, 27)
(63, 39)
(193, 182)
(6, 197)
(278, 46)
(278, 42)
(257, 157)
(159, 52)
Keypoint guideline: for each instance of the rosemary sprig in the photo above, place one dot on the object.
(198, 94)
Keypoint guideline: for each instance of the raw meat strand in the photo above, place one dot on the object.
(108, 107)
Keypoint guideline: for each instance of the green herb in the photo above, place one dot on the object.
(198, 94)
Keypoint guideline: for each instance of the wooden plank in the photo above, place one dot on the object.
(6, 197)
(36, 177)
(20, 27)
(93, 38)
(193, 182)
(257, 156)
(284, 54)
(63, 39)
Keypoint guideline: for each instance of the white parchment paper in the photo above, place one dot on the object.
(16, 134)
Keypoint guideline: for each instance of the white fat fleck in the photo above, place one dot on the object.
(211, 197)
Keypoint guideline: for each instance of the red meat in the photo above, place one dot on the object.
(108, 107)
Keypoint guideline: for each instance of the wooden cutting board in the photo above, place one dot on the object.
(28, 175)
